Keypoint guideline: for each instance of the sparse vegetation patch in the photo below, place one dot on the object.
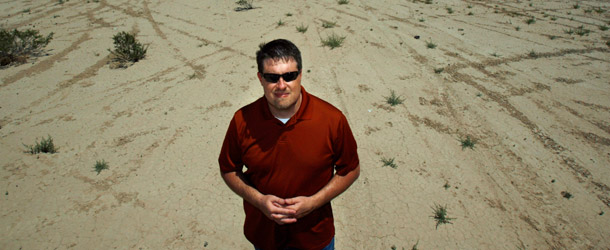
(388, 162)
(244, 5)
(393, 99)
(430, 45)
(302, 28)
(581, 31)
(467, 143)
(16, 46)
(341, 2)
(333, 41)
(440, 215)
(100, 165)
(127, 49)
(328, 25)
(44, 146)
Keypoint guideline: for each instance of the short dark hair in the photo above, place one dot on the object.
(278, 49)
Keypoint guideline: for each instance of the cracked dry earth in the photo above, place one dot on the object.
(534, 97)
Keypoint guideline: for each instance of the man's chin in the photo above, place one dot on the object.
(282, 106)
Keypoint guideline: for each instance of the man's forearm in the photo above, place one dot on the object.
(237, 182)
(337, 185)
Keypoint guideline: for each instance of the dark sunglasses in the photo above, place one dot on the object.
(288, 77)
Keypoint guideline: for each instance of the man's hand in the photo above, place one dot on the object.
(302, 205)
(275, 209)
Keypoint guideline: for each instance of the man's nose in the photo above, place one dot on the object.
(281, 84)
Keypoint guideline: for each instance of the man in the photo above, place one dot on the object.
(299, 153)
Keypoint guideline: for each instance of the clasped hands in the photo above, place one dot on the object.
(286, 211)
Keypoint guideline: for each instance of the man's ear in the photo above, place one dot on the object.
(260, 77)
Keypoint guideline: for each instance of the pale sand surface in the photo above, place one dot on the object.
(542, 124)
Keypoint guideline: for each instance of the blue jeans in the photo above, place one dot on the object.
(330, 246)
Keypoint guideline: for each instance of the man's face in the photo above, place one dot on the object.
(282, 96)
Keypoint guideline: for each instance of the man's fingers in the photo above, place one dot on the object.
(288, 220)
(278, 210)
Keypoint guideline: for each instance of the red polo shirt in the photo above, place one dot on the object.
(289, 160)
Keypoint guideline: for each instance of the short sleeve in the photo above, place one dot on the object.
(345, 148)
(230, 159)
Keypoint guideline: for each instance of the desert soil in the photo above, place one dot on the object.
(534, 98)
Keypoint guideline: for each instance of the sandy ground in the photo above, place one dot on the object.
(534, 98)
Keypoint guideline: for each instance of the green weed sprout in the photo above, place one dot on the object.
(333, 41)
(393, 99)
(44, 146)
(100, 165)
(389, 162)
(440, 215)
(302, 28)
(467, 143)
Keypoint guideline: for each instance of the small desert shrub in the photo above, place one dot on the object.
(327, 24)
(244, 5)
(467, 143)
(421, 20)
(530, 21)
(430, 45)
(302, 28)
(341, 2)
(280, 22)
(495, 54)
(599, 10)
(127, 49)
(517, 28)
(100, 165)
(16, 46)
(44, 146)
(388, 162)
(576, 6)
(288, 14)
(554, 18)
(438, 70)
(428, 2)
(470, 13)
(450, 10)
(333, 41)
(393, 99)
(581, 31)
(440, 215)
(603, 28)
(569, 32)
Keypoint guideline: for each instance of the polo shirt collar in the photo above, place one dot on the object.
(304, 112)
